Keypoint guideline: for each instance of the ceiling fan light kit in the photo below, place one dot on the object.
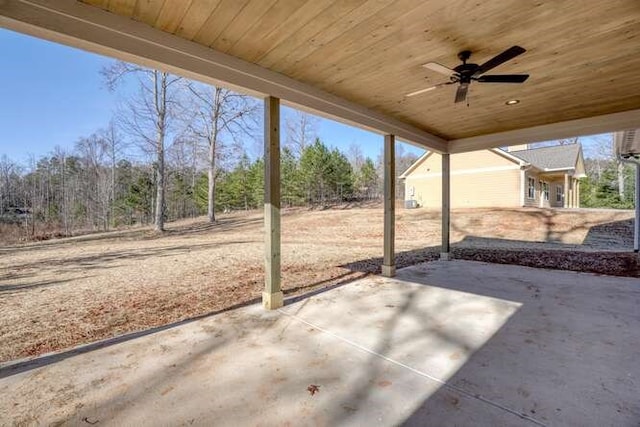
(466, 73)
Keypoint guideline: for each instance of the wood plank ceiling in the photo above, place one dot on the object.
(583, 55)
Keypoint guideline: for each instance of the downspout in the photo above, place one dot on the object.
(636, 227)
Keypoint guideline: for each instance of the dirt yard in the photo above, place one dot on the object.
(61, 293)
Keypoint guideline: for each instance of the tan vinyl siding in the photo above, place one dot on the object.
(478, 179)
(488, 178)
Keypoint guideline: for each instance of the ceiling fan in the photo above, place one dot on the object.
(465, 73)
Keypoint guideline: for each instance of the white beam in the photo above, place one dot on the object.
(90, 28)
(580, 127)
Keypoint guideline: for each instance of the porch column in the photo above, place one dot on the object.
(636, 227)
(565, 196)
(272, 296)
(389, 262)
(577, 194)
(445, 250)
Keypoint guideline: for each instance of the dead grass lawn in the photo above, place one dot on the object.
(65, 292)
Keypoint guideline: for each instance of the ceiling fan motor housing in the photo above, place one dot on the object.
(465, 71)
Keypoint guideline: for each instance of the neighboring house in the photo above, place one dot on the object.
(515, 177)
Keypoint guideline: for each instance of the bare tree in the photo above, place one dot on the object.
(98, 153)
(9, 197)
(302, 130)
(115, 146)
(219, 113)
(186, 159)
(59, 160)
(604, 151)
(355, 156)
(147, 117)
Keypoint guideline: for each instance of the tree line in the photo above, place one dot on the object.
(610, 183)
(176, 149)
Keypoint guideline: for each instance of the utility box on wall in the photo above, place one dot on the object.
(410, 204)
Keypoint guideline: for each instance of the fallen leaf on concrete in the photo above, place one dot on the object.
(313, 389)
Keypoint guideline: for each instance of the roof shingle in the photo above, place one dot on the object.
(554, 157)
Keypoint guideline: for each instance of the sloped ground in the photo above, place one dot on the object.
(65, 292)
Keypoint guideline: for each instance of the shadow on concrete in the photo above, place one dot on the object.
(548, 350)
(470, 377)
(566, 348)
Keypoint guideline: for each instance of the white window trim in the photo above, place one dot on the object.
(544, 195)
(529, 179)
(559, 193)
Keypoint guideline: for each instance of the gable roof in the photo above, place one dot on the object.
(557, 157)
(547, 159)
(415, 164)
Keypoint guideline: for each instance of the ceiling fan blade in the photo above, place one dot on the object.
(461, 93)
(508, 54)
(439, 68)
(418, 92)
(503, 78)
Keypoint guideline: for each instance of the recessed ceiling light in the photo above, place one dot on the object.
(512, 102)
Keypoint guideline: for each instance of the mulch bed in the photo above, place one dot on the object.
(625, 264)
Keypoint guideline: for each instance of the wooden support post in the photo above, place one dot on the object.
(389, 262)
(577, 194)
(565, 196)
(636, 226)
(272, 296)
(445, 250)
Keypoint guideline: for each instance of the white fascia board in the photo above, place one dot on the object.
(579, 127)
(87, 27)
(510, 156)
(415, 165)
(558, 169)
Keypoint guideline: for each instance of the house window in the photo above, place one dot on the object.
(544, 190)
(532, 189)
(559, 193)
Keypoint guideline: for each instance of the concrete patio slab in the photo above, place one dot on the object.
(443, 343)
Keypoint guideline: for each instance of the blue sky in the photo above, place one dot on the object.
(52, 95)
